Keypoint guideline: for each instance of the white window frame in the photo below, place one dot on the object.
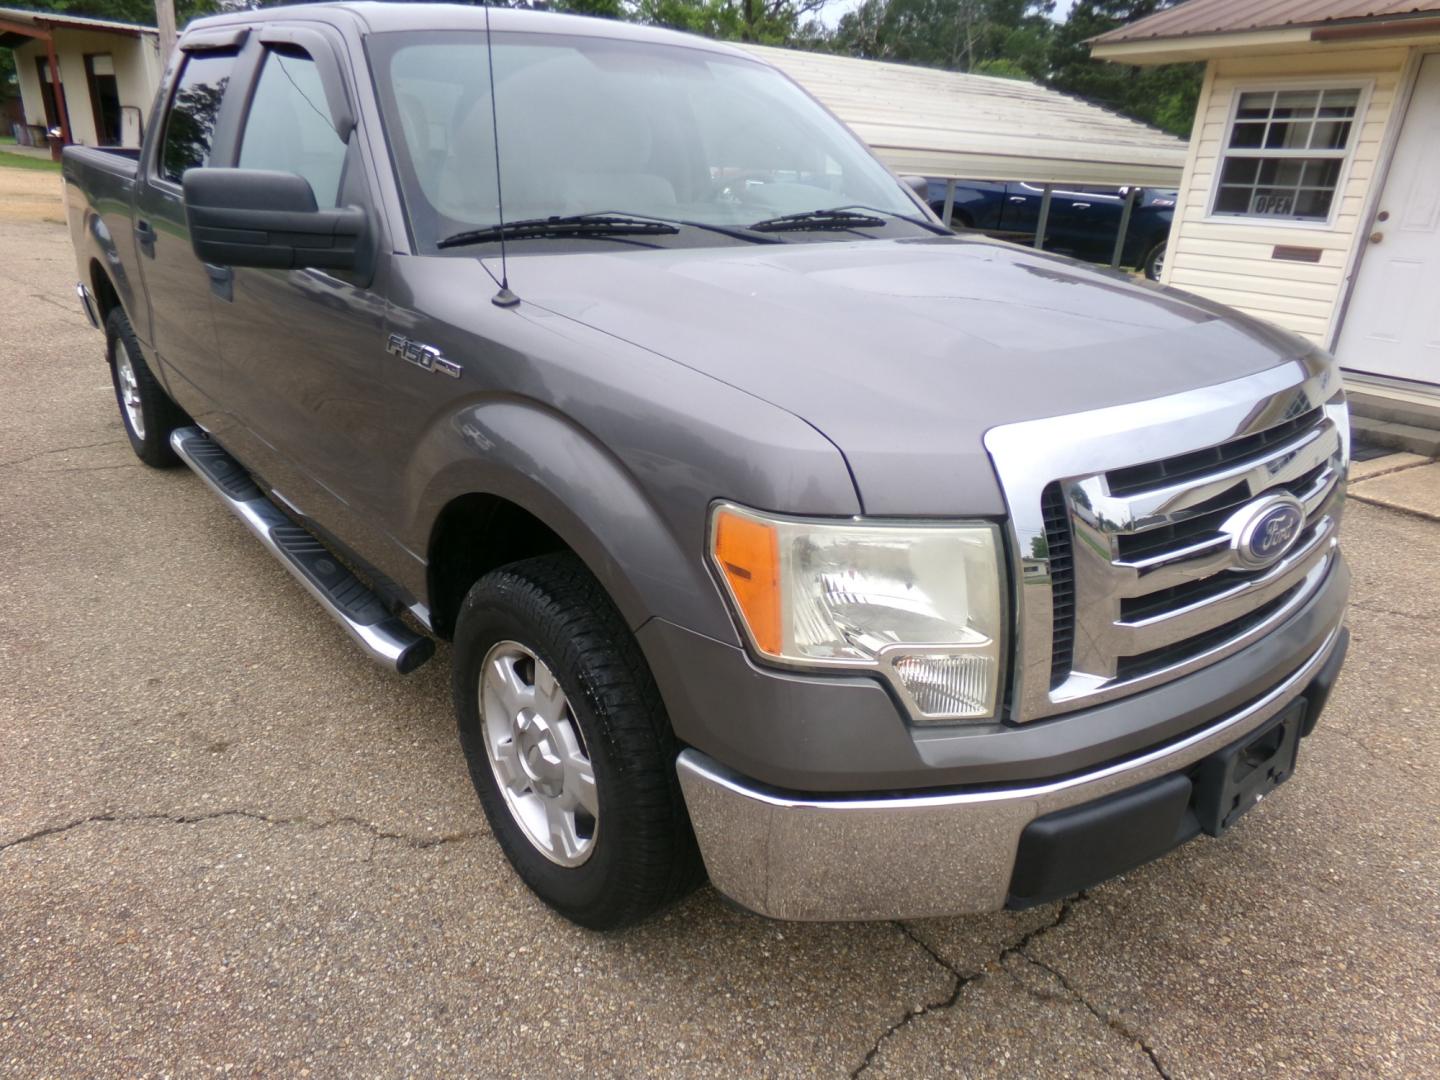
(1364, 86)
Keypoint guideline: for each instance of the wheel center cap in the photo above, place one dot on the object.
(538, 753)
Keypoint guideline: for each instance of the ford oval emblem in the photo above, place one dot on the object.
(1263, 531)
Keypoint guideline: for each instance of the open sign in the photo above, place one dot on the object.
(1273, 205)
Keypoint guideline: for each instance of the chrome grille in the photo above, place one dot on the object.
(1140, 580)
(1062, 583)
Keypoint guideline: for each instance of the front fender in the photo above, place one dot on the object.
(523, 452)
(616, 448)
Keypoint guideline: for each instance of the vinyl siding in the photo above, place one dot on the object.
(1231, 259)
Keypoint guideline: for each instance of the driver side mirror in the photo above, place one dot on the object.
(254, 217)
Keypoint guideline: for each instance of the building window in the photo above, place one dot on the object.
(1285, 152)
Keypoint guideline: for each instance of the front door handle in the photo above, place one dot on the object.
(1017, 198)
(145, 237)
(1081, 205)
(222, 281)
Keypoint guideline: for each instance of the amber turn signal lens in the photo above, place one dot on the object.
(748, 554)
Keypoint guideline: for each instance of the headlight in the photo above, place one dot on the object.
(920, 603)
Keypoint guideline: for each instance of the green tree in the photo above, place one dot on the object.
(1005, 37)
(132, 11)
(769, 22)
(1164, 96)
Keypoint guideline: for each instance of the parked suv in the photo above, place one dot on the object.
(888, 571)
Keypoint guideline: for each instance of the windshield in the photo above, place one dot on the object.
(596, 125)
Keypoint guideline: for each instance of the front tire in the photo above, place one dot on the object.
(569, 746)
(146, 410)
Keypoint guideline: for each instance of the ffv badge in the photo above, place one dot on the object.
(422, 356)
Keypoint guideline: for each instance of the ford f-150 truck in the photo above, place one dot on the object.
(777, 531)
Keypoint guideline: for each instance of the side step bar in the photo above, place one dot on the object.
(363, 614)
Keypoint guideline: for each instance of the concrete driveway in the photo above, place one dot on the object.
(229, 844)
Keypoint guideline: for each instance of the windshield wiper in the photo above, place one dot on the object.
(596, 225)
(933, 226)
(739, 232)
(840, 217)
(854, 216)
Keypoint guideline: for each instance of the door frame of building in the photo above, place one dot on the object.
(52, 94)
(1394, 127)
(93, 89)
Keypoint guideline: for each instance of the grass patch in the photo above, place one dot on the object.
(21, 161)
(7, 140)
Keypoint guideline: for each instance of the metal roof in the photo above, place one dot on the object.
(945, 124)
(918, 120)
(45, 21)
(1234, 16)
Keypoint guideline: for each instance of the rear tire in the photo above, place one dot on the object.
(146, 410)
(1154, 263)
(576, 773)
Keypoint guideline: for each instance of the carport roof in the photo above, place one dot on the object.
(945, 124)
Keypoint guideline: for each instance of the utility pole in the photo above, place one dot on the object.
(165, 21)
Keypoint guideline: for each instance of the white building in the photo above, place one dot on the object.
(92, 79)
(1311, 194)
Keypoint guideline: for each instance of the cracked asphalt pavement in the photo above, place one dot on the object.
(229, 844)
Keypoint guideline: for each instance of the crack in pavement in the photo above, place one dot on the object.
(420, 843)
(1373, 610)
(1019, 948)
(1112, 1023)
(914, 1014)
(961, 980)
(58, 450)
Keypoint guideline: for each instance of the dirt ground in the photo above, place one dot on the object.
(31, 195)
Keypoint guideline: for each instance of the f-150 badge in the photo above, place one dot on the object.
(426, 357)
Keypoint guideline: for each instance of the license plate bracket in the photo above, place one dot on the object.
(1235, 779)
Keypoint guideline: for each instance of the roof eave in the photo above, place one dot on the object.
(1190, 47)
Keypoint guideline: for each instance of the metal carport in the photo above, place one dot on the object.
(950, 126)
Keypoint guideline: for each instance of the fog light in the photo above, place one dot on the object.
(948, 684)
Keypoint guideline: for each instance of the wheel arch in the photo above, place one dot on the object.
(107, 298)
(522, 481)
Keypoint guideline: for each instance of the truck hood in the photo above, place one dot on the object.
(905, 352)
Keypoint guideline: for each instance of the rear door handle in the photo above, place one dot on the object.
(1081, 205)
(145, 237)
(1017, 198)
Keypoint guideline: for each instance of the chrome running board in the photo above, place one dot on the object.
(365, 617)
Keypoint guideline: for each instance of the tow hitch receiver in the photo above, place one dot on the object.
(1234, 779)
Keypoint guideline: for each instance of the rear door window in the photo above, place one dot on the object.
(190, 124)
(289, 127)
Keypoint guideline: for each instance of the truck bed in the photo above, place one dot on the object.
(99, 189)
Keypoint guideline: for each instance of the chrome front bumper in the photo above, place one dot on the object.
(792, 857)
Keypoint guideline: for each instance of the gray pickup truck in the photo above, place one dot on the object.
(777, 532)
